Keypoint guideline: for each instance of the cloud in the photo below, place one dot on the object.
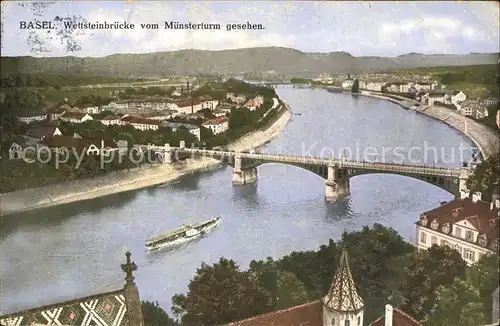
(361, 28)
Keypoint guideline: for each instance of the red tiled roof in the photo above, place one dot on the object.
(399, 318)
(143, 121)
(74, 115)
(41, 132)
(215, 121)
(310, 314)
(187, 103)
(479, 214)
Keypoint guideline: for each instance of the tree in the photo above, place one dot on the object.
(154, 315)
(427, 270)
(484, 276)
(219, 294)
(355, 86)
(486, 177)
(377, 258)
(457, 304)
(290, 291)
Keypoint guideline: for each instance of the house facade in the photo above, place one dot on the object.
(75, 117)
(186, 106)
(29, 116)
(469, 225)
(347, 84)
(195, 130)
(425, 85)
(55, 113)
(457, 97)
(250, 105)
(217, 125)
(431, 97)
(141, 123)
(111, 120)
(235, 98)
(398, 87)
(91, 110)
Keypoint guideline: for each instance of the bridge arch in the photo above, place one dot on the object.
(449, 184)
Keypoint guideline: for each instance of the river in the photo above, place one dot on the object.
(75, 250)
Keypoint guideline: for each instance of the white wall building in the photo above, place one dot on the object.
(111, 121)
(186, 106)
(457, 97)
(33, 116)
(75, 117)
(217, 125)
(470, 226)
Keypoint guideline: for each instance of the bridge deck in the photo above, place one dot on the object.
(365, 165)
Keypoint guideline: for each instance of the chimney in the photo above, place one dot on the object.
(495, 201)
(388, 315)
(476, 197)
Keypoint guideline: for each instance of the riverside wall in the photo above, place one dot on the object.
(121, 181)
(486, 140)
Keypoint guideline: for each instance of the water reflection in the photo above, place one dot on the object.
(339, 210)
(53, 216)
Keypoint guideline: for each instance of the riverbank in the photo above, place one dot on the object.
(485, 139)
(121, 181)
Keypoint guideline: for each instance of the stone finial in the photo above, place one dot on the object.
(129, 268)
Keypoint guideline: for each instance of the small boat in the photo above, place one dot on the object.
(185, 233)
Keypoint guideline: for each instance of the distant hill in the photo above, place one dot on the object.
(283, 61)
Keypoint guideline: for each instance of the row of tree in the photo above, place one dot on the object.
(53, 80)
(434, 286)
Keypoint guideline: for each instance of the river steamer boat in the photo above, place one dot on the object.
(184, 234)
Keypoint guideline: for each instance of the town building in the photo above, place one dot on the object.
(425, 85)
(111, 120)
(29, 116)
(259, 100)
(217, 125)
(141, 123)
(398, 87)
(237, 99)
(457, 97)
(36, 134)
(469, 225)
(250, 105)
(55, 113)
(491, 101)
(75, 117)
(498, 119)
(431, 97)
(121, 307)
(341, 306)
(162, 115)
(91, 110)
(347, 84)
(187, 106)
(373, 86)
(195, 130)
(473, 108)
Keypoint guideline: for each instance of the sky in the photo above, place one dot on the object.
(361, 28)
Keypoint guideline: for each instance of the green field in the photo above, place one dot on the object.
(474, 81)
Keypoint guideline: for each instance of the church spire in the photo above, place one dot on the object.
(342, 296)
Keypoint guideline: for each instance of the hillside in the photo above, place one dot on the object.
(283, 61)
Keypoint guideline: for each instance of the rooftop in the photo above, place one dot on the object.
(215, 121)
(399, 318)
(41, 132)
(74, 115)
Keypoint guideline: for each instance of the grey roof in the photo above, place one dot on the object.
(175, 125)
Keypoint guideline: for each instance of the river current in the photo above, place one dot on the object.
(74, 250)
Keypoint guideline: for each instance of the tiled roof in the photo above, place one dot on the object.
(187, 103)
(399, 318)
(110, 117)
(110, 307)
(478, 214)
(74, 115)
(143, 121)
(215, 121)
(342, 295)
(41, 132)
(310, 314)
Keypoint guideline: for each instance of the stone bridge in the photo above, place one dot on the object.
(336, 171)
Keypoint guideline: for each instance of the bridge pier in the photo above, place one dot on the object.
(167, 154)
(242, 175)
(337, 184)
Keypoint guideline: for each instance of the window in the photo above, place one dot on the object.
(468, 235)
(422, 237)
(458, 232)
(347, 322)
(459, 249)
(434, 239)
(359, 321)
(333, 321)
(469, 254)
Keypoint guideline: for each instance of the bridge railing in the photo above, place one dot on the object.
(408, 168)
